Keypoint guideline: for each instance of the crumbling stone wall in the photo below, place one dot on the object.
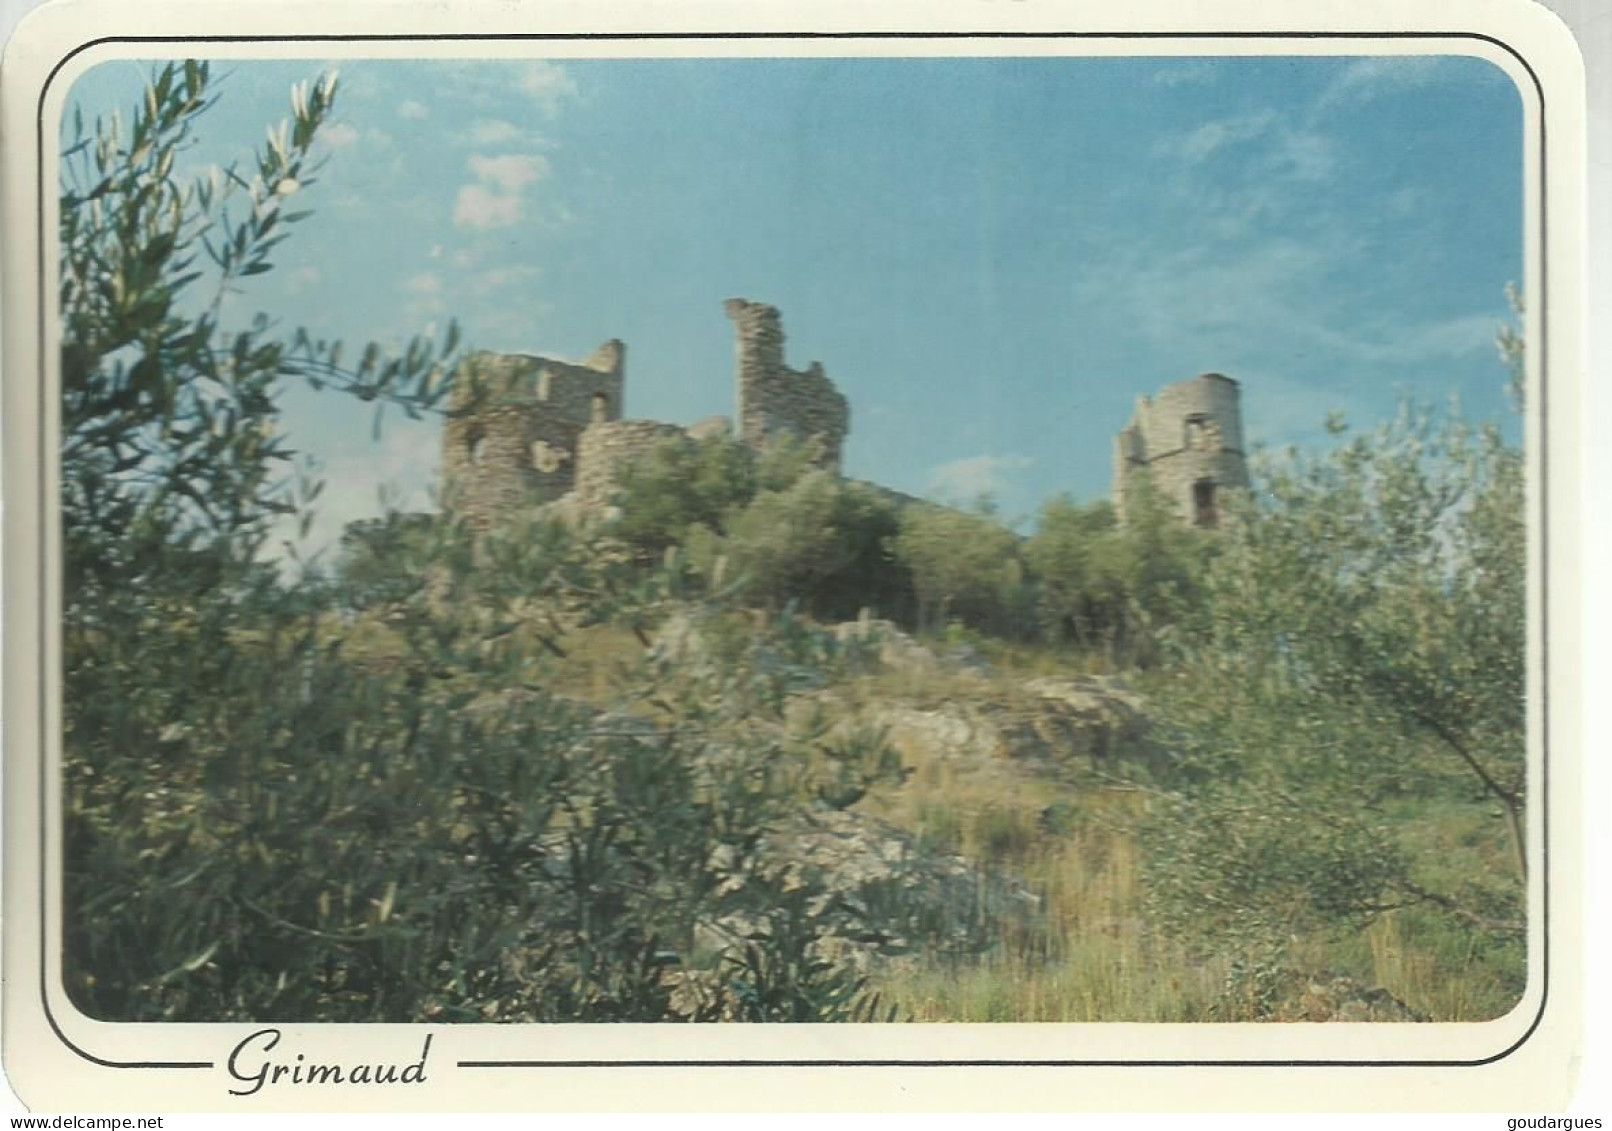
(775, 400)
(525, 430)
(1189, 439)
(607, 449)
(514, 424)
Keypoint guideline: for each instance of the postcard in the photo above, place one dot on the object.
(641, 557)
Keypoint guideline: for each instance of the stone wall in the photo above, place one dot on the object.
(525, 430)
(776, 401)
(1189, 439)
(514, 425)
(607, 449)
(517, 431)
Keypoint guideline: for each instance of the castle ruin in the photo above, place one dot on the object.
(527, 430)
(1189, 441)
(776, 401)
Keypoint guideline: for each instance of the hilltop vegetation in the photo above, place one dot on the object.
(663, 766)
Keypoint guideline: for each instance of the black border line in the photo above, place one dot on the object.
(44, 546)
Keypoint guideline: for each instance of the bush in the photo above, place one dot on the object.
(963, 565)
(821, 542)
(359, 800)
(682, 486)
(328, 835)
(1063, 555)
(1356, 651)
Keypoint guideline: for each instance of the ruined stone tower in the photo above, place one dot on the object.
(1189, 439)
(524, 430)
(515, 423)
(775, 401)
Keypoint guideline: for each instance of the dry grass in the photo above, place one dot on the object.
(593, 657)
(1089, 955)
(1093, 956)
(1068, 842)
(1088, 952)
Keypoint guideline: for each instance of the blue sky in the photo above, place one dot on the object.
(991, 257)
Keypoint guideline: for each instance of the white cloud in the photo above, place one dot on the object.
(497, 198)
(964, 480)
(1408, 200)
(1205, 141)
(1241, 175)
(488, 86)
(502, 278)
(425, 296)
(1287, 408)
(343, 136)
(305, 278)
(1441, 338)
(412, 111)
(1266, 156)
(362, 481)
(1217, 300)
(1304, 156)
(549, 83)
(493, 131)
(506, 329)
(424, 283)
(480, 207)
(1365, 79)
(511, 172)
(1267, 310)
(515, 326)
(339, 136)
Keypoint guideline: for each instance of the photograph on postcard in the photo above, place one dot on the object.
(1109, 603)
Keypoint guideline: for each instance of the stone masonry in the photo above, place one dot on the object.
(525, 430)
(775, 400)
(606, 450)
(514, 426)
(1189, 440)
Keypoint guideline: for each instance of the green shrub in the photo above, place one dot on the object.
(360, 799)
(963, 566)
(310, 834)
(1355, 663)
(821, 542)
(682, 486)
